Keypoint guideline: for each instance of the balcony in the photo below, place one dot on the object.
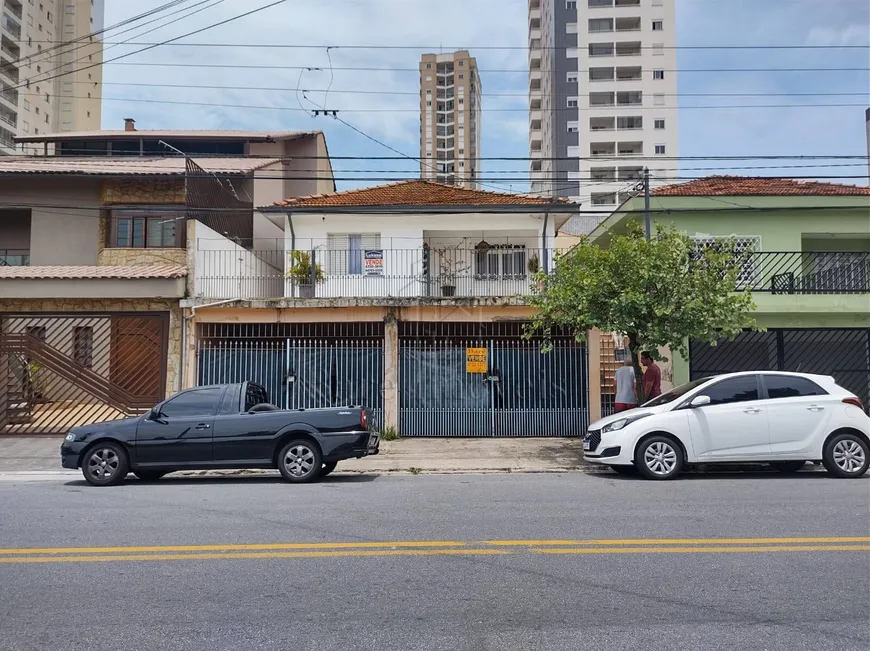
(9, 118)
(14, 257)
(601, 74)
(601, 99)
(630, 173)
(602, 149)
(600, 50)
(629, 98)
(493, 270)
(12, 27)
(601, 124)
(7, 138)
(14, 7)
(806, 272)
(630, 149)
(629, 49)
(633, 73)
(627, 24)
(603, 174)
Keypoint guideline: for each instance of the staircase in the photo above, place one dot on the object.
(68, 369)
(19, 411)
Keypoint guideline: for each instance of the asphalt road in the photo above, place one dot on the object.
(708, 562)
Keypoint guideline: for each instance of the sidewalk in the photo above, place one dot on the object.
(28, 454)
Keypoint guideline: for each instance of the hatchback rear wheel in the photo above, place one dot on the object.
(846, 455)
(659, 457)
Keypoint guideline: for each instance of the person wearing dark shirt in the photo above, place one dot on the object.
(652, 377)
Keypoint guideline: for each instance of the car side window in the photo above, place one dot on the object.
(785, 386)
(736, 389)
(199, 402)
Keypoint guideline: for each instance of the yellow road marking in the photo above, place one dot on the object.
(212, 548)
(677, 541)
(703, 550)
(255, 555)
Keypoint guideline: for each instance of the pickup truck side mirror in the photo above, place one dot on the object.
(155, 415)
(699, 401)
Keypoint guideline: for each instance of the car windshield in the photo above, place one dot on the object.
(675, 393)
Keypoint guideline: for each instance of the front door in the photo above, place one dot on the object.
(734, 425)
(136, 357)
(181, 434)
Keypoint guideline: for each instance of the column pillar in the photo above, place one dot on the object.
(391, 372)
(593, 375)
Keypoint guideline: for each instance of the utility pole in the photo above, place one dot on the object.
(646, 202)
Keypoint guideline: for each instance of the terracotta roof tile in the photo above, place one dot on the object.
(133, 165)
(224, 134)
(745, 186)
(418, 193)
(137, 272)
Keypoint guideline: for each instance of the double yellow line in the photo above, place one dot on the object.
(434, 548)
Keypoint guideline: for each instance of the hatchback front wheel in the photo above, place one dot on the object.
(659, 457)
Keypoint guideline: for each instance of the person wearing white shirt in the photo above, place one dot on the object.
(626, 391)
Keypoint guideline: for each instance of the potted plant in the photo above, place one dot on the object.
(302, 275)
(534, 264)
(450, 266)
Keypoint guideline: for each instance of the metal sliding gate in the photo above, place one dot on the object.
(843, 353)
(301, 366)
(457, 382)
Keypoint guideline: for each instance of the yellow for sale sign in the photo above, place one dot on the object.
(475, 360)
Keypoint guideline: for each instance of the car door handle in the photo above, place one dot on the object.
(815, 408)
(751, 410)
(202, 426)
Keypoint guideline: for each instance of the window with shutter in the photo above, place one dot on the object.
(347, 252)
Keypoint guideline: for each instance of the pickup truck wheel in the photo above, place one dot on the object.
(105, 464)
(328, 467)
(300, 461)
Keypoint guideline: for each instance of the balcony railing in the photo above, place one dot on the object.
(805, 272)
(14, 258)
(14, 9)
(496, 271)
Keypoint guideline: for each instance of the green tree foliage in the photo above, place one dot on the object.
(659, 293)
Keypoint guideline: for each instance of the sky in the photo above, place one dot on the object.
(496, 34)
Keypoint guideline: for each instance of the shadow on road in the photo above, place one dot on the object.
(730, 473)
(234, 479)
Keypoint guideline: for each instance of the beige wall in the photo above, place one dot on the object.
(83, 288)
(60, 232)
(120, 257)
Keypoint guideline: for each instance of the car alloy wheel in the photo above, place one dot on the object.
(105, 464)
(660, 458)
(849, 456)
(300, 461)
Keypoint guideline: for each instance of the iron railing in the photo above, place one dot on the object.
(8, 93)
(806, 272)
(498, 270)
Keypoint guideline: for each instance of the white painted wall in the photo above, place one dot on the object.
(402, 238)
(223, 269)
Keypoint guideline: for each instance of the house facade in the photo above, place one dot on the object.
(409, 298)
(94, 259)
(806, 258)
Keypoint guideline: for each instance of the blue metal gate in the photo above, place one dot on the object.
(523, 392)
(299, 372)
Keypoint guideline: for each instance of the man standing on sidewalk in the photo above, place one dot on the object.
(652, 377)
(626, 387)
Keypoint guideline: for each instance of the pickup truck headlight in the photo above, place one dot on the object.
(622, 422)
(70, 437)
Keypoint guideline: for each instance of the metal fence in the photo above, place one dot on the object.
(63, 371)
(338, 273)
(302, 366)
(842, 353)
(489, 385)
(807, 272)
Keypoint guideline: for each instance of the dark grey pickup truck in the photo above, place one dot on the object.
(219, 427)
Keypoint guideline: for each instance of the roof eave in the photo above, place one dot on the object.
(426, 209)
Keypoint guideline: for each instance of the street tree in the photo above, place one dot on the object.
(660, 292)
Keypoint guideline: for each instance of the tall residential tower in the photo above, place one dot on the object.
(450, 118)
(603, 96)
(50, 67)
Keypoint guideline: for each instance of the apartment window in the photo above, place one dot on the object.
(573, 102)
(461, 151)
(70, 9)
(660, 150)
(428, 66)
(600, 3)
(461, 76)
(601, 99)
(25, 126)
(572, 77)
(26, 105)
(461, 101)
(83, 346)
(46, 118)
(599, 25)
(629, 122)
(47, 98)
(500, 261)
(428, 102)
(658, 49)
(347, 252)
(129, 229)
(30, 20)
(570, 28)
(658, 74)
(48, 15)
(573, 127)
(659, 124)
(570, 4)
(36, 110)
(600, 74)
(658, 100)
(601, 49)
(461, 63)
(630, 97)
(658, 26)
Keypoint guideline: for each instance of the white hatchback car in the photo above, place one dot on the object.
(784, 419)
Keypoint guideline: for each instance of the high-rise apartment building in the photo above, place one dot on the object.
(450, 108)
(41, 39)
(603, 96)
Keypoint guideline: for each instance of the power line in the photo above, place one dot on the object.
(166, 42)
(627, 107)
(284, 89)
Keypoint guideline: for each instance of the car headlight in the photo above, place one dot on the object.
(70, 437)
(622, 422)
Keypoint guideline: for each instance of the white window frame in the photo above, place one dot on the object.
(743, 244)
(499, 262)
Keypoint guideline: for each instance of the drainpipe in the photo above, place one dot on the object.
(292, 244)
(545, 263)
(184, 319)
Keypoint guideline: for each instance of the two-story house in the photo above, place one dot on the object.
(409, 298)
(805, 254)
(94, 257)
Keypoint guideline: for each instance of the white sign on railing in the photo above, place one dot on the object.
(373, 262)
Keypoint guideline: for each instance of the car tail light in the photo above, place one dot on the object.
(854, 401)
(364, 419)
